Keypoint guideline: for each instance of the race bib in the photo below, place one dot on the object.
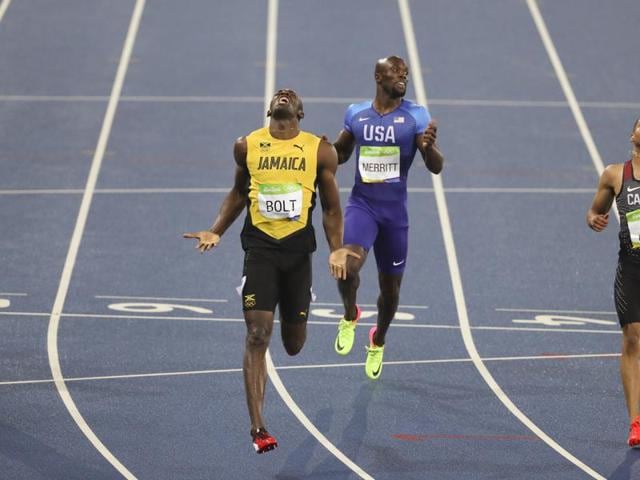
(280, 201)
(633, 221)
(379, 164)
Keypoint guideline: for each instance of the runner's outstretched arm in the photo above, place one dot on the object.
(232, 205)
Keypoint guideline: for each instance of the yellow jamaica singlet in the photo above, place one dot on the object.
(281, 190)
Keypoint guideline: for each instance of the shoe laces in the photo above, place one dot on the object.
(346, 325)
(259, 433)
(375, 350)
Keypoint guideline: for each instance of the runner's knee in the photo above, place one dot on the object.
(631, 342)
(293, 336)
(293, 347)
(257, 336)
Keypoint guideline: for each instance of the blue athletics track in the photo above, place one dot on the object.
(121, 346)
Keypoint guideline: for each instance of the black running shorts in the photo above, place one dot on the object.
(627, 291)
(275, 277)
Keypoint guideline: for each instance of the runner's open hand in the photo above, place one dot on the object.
(338, 262)
(428, 137)
(206, 239)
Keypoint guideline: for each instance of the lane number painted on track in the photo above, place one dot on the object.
(331, 313)
(138, 307)
(4, 303)
(156, 308)
(559, 320)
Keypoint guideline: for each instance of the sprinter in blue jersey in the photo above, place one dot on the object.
(385, 134)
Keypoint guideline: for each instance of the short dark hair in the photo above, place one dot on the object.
(390, 58)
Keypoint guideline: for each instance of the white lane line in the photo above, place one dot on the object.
(42, 191)
(126, 376)
(543, 190)
(498, 103)
(454, 270)
(332, 323)
(540, 310)
(529, 104)
(308, 424)
(126, 317)
(193, 99)
(6, 294)
(578, 356)
(327, 304)
(269, 90)
(52, 98)
(551, 330)
(271, 55)
(102, 191)
(168, 299)
(566, 85)
(575, 110)
(317, 100)
(441, 361)
(3, 8)
(78, 191)
(163, 190)
(567, 89)
(74, 246)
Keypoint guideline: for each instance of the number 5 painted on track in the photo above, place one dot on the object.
(558, 320)
(155, 308)
(331, 313)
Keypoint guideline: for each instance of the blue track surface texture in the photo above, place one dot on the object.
(99, 179)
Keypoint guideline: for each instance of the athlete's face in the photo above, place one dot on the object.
(635, 134)
(285, 104)
(393, 77)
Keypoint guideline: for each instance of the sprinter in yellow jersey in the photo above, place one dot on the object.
(277, 170)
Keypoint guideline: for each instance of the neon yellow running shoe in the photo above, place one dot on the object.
(346, 334)
(373, 364)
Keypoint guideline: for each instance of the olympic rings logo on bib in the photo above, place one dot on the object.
(379, 164)
(280, 200)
